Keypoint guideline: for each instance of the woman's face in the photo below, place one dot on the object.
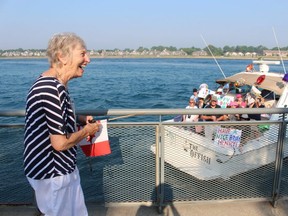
(77, 62)
(192, 103)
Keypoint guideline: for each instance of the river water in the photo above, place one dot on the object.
(106, 84)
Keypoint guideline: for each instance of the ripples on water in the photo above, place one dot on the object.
(121, 83)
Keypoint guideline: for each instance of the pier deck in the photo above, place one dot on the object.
(242, 208)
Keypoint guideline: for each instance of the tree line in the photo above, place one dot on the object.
(210, 49)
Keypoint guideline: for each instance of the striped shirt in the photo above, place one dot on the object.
(48, 111)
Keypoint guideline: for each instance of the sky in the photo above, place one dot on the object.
(121, 24)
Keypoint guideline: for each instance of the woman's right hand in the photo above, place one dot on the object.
(92, 128)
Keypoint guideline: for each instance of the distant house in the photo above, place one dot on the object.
(165, 53)
(199, 53)
(253, 54)
(275, 53)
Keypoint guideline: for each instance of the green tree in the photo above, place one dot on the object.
(171, 48)
(128, 50)
(189, 51)
(141, 49)
(158, 48)
(210, 49)
(228, 49)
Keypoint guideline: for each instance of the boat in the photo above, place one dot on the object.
(221, 152)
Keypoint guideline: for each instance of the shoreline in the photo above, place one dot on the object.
(163, 57)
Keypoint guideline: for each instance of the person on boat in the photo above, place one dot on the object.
(249, 68)
(204, 91)
(201, 103)
(191, 118)
(50, 138)
(219, 91)
(226, 89)
(223, 98)
(258, 102)
(240, 102)
(233, 117)
(255, 103)
(195, 95)
(213, 104)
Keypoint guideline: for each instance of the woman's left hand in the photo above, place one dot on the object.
(84, 119)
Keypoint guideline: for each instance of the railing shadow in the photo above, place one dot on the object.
(166, 207)
(93, 172)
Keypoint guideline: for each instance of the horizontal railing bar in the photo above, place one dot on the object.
(172, 123)
(228, 122)
(137, 112)
(133, 123)
(182, 111)
(12, 113)
(12, 125)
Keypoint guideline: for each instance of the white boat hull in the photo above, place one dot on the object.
(198, 156)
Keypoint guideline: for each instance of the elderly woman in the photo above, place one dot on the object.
(50, 139)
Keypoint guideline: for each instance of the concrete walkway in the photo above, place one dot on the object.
(241, 208)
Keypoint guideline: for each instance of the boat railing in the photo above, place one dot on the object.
(133, 173)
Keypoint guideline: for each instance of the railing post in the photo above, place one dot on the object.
(157, 163)
(279, 161)
(160, 191)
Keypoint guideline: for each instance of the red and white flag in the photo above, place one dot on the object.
(97, 145)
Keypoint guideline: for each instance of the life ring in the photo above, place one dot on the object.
(260, 79)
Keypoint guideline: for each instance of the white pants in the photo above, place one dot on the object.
(60, 196)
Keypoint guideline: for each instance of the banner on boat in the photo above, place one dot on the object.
(224, 101)
(97, 145)
(227, 137)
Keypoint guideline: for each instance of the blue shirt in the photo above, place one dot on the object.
(48, 111)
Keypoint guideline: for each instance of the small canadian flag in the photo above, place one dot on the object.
(97, 145)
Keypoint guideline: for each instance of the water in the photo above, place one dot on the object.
(121, 83)
(106, 84)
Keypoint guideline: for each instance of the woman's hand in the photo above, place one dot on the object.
(88, 119)
(92, 128)
(82, 119)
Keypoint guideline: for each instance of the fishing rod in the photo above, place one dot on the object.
(279, 51)
(213, 56)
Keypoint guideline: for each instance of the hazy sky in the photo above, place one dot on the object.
(121, 24)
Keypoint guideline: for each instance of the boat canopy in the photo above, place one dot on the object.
(272, 81)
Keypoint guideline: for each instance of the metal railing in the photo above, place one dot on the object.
(142, 167)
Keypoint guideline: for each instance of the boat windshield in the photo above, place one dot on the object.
(240, 90)
(243, 90)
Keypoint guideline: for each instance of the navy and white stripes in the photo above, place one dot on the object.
(48, 111)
